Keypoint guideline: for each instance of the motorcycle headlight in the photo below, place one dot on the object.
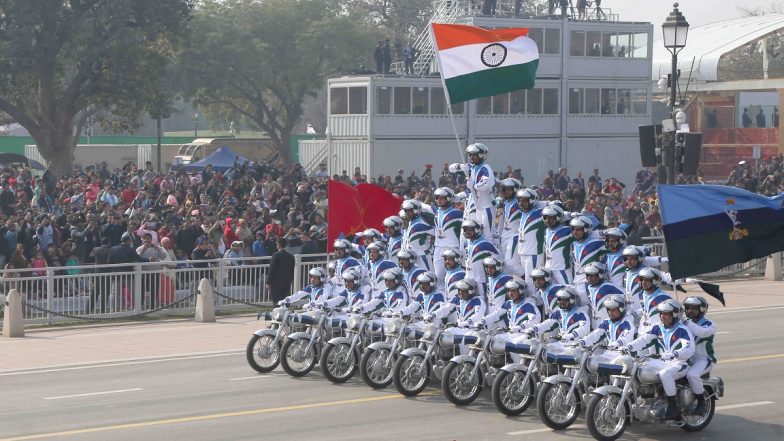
(354, 322)
(278, 314)
(480, 337)
(430, 332)
(393, 326)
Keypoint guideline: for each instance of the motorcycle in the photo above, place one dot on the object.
(379, 358)
(562, 396)
(416, 366)
(342, 355)
(515, 385)
(264, 348)
(302, 350)
(466, 375)
(636, 394)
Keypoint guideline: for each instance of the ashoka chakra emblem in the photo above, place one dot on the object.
(493, 55)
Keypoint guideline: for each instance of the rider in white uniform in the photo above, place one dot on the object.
(480, 181)
(507, 230)
(454, 272)
(557, 245)
(616, 331)
(470, 309)
(419, 235)
(704, 358)
(477, 248)
(394, 236)
(569, 321)
(447, 221)
(531, 232)
(496, 282)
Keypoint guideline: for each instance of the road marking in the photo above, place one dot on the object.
(754, 358)
(761, 308)
(214, 416)
(738, 406)
(547, 429)
(723, 332)
(120, 363)
(94, 393)
(255, 377)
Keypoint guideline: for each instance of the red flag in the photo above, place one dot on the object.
(354, 209)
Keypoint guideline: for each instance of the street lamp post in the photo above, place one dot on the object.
(195, 124)
(675, 30)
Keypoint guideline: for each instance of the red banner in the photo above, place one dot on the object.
(354, 209)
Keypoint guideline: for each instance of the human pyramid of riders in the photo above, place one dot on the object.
(541, 304)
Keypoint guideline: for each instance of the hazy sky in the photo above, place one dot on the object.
(697, 12)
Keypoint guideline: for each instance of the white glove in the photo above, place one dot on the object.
(463, 323)
(516, 329)
(430, 317)
(386, 314)
(613, 345)
(567, 337)
(457, 167)
(689, 279)
(667, 356)
(533, 330)
(582, 343)
(307, 305)
(283, 303)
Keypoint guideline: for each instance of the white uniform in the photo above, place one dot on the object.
(704, 357)
(530, 235)
(468, 312)
(479, 205)
(447, 231)
(676, 340)
(418, 238)
(475, 252)
(507, 232)
(557, 248)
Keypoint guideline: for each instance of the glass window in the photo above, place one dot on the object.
(501, 104)
(593, 43)
(577, 44)
(458, 109)
(640, 102)
(384, 100)
(624, 98)
(640, 48)
(484, 106)
(357, 100)
(534, 101)
(437, 101)
(552, 41)
(608, 101)
(420, 100)
(592, 101)
(576, 101)
(338, 101)
(608, 44)
(550, 102)
(402, 100)
(517, 102)
(622, 45)
(537, 35)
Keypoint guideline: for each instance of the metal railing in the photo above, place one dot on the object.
(111, 292)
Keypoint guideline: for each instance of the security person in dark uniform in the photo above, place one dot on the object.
(124, 253)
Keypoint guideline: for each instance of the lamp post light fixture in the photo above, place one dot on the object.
(675, 30)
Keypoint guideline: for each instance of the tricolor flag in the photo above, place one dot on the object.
(476, 62)
(708, 227)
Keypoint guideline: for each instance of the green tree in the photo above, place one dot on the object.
(61, 59)
(258, 61)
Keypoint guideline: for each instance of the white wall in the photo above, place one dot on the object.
(614, 157)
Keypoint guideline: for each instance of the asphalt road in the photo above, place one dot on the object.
(218, 397)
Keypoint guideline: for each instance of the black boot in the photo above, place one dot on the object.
(700, 409)
(672, 409)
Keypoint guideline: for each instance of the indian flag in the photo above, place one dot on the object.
(476, 62)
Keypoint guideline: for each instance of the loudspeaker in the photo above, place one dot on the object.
(691, 153)
(648, 145)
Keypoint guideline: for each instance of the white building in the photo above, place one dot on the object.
(592, 92)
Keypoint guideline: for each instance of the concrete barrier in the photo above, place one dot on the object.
(205, 303)
(773, 268)
(13, 320)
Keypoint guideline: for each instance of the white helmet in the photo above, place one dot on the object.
(405, 254)
(321, 273)
(393, 222)
(372, 232)
(494, 261)
(427, 277)
(542, 272)
(453, 253)
(616, 232)
(672, 306)
(567, 293)
(377, 245)
(597, 268)
(342, 243)
(466, 285)
(331, 265)
(412, 204)
(650, 273)
(582, 222)
(614, 301)
(527, 193)
(478, 149)
(402, 215)
(553, 210)
(444, 192)
(697, 301)
(470, 223)
(392, 274)
(632, 251)
(511, 183)
(518, 283)
(351, 274)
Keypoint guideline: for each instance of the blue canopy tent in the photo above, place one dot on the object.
(221, 160)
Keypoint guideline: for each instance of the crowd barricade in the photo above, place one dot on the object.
(127, 291)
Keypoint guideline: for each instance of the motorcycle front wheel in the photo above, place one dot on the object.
(408, 375)
(458, 387)
(297, 360)
(553, 409)
(510, 396)
(695, 423)
(339, 362)
(374, 369)
(600, 417)
(261, 355)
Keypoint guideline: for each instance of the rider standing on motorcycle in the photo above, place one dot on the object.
(617, 330)
(704, 358)
(410, 272)
(557, 245)
(418, 237)
(635, 260)
(470, 309)
(496, 281)
(394, 236)
(530, 232)
(447, 221)
(477, 248)
(429, 301)
(480, 181)
(675, 343)
(586, 248)
(454, 272)
(598, 291)
(509, 225)
(570, 320)
(545, 290)
(317, 292)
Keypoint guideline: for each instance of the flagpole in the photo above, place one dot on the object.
(446, 96)
(454, 130)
